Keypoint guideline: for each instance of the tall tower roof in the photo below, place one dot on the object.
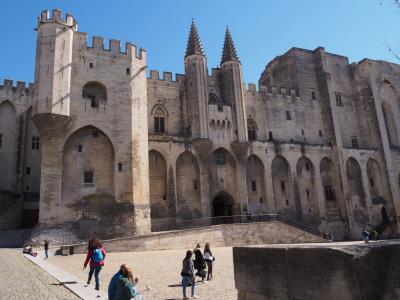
(229, 51)
(194, 45)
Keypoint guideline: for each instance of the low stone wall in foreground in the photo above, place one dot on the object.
(334, 271)
(218, 235)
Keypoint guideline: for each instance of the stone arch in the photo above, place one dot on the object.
(188, 186)
(356, 192)
(306, 189)
(95, 94)
(390, 124)
(256, 190)
(88, 167)
(329, 182)
(8, 140)
(222, 175)
(282, 185)
(374, 180)
(158, 186)
(222, 205)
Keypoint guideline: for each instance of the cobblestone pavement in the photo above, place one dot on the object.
(21, 279)
(160, 271)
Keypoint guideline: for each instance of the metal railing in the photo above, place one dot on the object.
(170, 225)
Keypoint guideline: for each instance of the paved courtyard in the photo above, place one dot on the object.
(21, 279)
(159, 271)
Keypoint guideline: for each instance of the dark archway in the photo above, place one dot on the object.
(222, 205)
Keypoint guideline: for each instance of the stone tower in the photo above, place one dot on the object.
(232, 87)
(196, 85)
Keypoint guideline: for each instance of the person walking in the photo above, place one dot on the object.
(126, 286)
(46, 248)
(96, 255)
(187, 274)
(209, 258)
(199, 263)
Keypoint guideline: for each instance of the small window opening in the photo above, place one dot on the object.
(371, 181)
(283, 186)
(1, 140)
(120, 167)
(27, 188)
(261, 200)
(287, 202)
(91, 65)
(288, 116)
(307, 166)
(320, 133)
(88, 177)
(128, 71)
(254, 186)
(195, 184)
(220, 159)
(354, 142)
(329, 193)
(159, 124)
(28, 171)
(338, 99)
(313, 95)
(308, 193)
(302, 132)
(93, 101)
(270, 137)
(35, 143)
(80, 148)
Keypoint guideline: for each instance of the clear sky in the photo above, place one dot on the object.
(261, 29)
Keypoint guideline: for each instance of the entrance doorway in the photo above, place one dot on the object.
(222, 205)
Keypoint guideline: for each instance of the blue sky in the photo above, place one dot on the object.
(261, 29)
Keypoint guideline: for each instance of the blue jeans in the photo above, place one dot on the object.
(47, 253)
(96, 272)
(185, 282)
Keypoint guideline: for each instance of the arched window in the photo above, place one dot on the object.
(160, 115)
(252, 129)
(95, 93)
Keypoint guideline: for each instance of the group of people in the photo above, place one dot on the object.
(203, 264)
(123, 285)
(369, 236)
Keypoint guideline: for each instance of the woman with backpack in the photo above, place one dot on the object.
(209, 258)
(96, 255)
(187, 274)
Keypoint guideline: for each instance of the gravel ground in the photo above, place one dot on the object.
(21, 279)
(159, 270)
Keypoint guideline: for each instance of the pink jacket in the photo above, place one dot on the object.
(94, 264)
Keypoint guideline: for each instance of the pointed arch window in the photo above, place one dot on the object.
(160, 115)
(214, 99)
(252, 129)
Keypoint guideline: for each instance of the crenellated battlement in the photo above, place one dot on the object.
(114, 48)
(19, 87)
(167, 77)
(57, 17)
(271, 91)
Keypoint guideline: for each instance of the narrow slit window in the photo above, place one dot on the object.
(35, 143)
(254, 186)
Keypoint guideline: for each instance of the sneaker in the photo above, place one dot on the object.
(88, 282)
(195, 297)
(186, 298)
(97, 288)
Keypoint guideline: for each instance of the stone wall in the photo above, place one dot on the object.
(218, 236)
(318, 271)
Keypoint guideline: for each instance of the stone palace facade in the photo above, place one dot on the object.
(95, 145)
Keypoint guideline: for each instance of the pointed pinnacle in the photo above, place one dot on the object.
(229, 50)
(194, 45)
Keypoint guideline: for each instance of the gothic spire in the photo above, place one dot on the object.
(229, 51)
(194, 44)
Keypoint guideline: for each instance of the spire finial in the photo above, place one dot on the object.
(229, 50)
(194, 45)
